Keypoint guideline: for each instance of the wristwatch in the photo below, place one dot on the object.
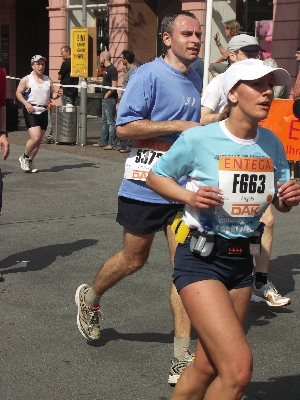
(4, 133)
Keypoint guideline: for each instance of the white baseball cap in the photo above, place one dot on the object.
(37, 58)
(251, 69)
(244, 42)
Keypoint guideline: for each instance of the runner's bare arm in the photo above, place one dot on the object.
(205, 197)
(145, 129)
(23, 85)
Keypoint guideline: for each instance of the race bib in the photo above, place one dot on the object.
(247, 184)
(142, 157)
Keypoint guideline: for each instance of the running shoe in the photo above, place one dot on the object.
(269, 294)
(32, 167)
(87, 317)
(24, 161)
(177, 367)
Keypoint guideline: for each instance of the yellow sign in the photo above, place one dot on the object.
(79, 48)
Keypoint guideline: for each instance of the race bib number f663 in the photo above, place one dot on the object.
(143, 156)
(247, 184)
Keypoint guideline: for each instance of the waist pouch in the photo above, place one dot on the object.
(233, 247)
(238, 247)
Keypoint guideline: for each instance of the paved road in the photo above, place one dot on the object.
(58, 226)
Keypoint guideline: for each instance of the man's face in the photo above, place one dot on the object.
(124, 61)
(65, 54)
(241, 55)
(297, 55)
(185, 40)
(102, 59)
(38, 66)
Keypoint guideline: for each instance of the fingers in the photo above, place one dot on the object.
(289, 192)
(208, 197)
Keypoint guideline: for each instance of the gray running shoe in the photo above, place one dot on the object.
(87, 317)
(24, 163)
(32, 167)
(177, 367)
(269, 294)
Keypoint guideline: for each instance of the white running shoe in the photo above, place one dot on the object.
(24, 161)
(177, 367)
(88, 318)
(32, 167)
(269, 294)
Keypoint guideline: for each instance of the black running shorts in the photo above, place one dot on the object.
(32, 120)
(143, 217)
(234, 272)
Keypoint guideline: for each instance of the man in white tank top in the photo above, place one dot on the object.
(34, 92)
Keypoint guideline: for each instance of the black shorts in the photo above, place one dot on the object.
(143, 217)
(32, 120)
(233, 272)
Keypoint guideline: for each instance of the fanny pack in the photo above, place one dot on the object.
(203, 244)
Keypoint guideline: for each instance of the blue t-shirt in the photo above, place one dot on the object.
(158, 92)
(246, 170)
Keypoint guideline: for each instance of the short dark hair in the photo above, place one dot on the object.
(298, 48)
(129, 56)
(167, 24)
(66, 48)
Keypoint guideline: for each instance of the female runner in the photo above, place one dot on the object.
(234, 170)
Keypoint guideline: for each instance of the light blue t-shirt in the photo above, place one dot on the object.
(243, 169)
(158, 92)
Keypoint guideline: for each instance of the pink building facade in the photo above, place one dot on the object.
(133, 25)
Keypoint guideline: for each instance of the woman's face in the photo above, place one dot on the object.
(253, 98)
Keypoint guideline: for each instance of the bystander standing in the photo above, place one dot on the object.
(128, 62)
(108, 138)
(68, 94)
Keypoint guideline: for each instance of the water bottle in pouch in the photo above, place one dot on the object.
(202, 243)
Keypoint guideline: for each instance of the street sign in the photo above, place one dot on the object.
(79, 48)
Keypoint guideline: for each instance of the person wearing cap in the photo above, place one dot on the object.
(34, 92)
(234, 169)
(213, 102)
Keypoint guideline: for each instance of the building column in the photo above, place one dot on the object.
(118, 32)
(199, 9)
(57, 36)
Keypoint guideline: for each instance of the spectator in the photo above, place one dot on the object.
(108, 138)
(279, 91)
(68, 94)
(48, 132)
(198, 66)
(232, 29)
(128, 62)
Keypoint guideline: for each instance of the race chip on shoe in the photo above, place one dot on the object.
(142, 157)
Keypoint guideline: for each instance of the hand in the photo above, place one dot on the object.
(4, 143)
(217, 38)
(207, 197)
(289, 192)
(60, 91)
(29, 108)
